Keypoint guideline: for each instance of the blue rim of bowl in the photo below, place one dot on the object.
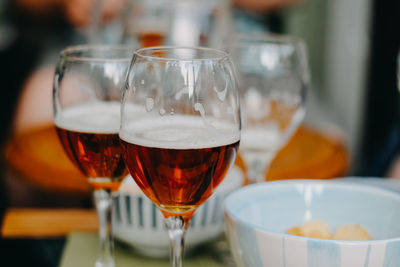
(334, 182)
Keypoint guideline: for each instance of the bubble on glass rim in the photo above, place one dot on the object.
(97, 117)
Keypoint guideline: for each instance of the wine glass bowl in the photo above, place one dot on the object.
(88, 82)
(273, 80)
(180, 129)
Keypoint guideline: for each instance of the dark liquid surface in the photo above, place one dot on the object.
(97, 155)
(178, 180)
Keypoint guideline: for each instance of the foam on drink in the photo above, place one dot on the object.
(180, 132)
(97, 117)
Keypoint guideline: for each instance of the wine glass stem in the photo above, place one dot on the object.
(177, 234)
(257, 171)
(105, 255)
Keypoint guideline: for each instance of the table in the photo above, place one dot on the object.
(71, 237)
(47, 223)
(125, 256)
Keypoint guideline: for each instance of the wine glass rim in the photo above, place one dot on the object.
(261, 38)
(221, 54)
(69, 53)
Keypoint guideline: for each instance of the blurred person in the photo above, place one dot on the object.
(76, 12)
(44, 33)
(40, 29)
(51, 25)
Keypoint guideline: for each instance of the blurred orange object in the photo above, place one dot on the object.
(39, 157)
(310, 154)
(148, 39)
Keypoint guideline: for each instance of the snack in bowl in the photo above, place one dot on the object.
(313, 229)
(351, 232)
(319, 229)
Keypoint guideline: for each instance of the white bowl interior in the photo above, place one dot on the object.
(276, 206)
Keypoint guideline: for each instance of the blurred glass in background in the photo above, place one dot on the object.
(274, 78)
(164, 22)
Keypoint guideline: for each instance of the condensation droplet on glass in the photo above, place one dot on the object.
(162, 112)
(149, 104)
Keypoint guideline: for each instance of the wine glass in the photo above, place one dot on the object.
(180, 129)
(87, 92)
(273, 78)
(147, 22)
(171, 22)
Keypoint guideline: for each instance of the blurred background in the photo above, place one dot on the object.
(353, 103)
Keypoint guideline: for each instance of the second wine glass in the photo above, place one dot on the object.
(180, 129)
(273, 81)
(87, 93)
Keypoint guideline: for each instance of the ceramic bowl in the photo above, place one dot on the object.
(139, 223)
(257, 217)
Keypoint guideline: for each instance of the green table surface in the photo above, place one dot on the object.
(80, 251)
